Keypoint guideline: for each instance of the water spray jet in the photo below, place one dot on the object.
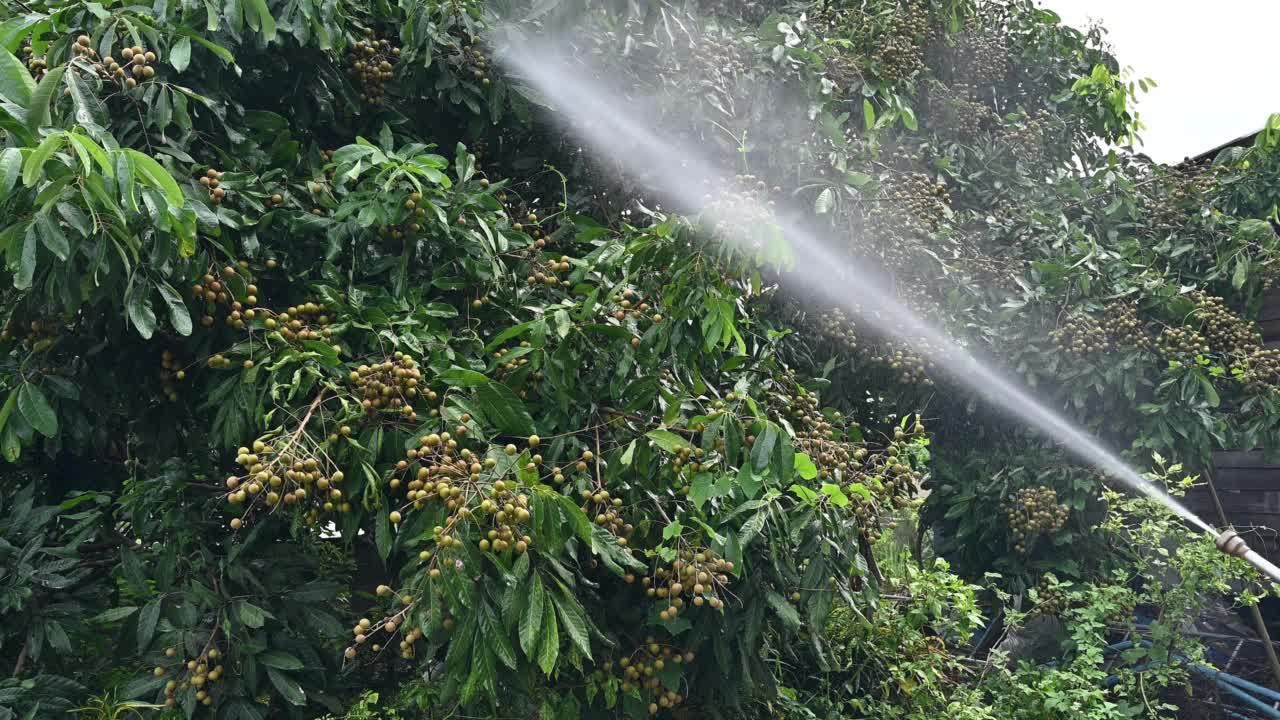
(606, 120)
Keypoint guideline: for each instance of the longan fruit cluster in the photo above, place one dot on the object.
(371, 63)
(212, 179)
(630, 304)
(80, 48)
(1029, 138)
(291, 476)
(411, 222)
(917, 199)
(298, 323)
(550, 272)
(697, 574)
(476, 61)
(136, 65)
(891, 480)
(1258, 370)
(899, 56)
(438, 470)
(1225, 331)
(988, 57)
(365, 633)
(604, 510)
(171, 371)
(844, 71)
(37, 64)
(912, 367)
(640, 670)
(1051, 599)
(741, 211)
(959, 110)
(1176, 343)
(389, 386)
(227, 288)
(717, 56)
(46, 329)
(839, 328)
(815, 435)
(199, 674)
(1033, 511)
(507, 365)
(1118, 329)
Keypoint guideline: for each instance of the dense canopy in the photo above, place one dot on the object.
(337, 378)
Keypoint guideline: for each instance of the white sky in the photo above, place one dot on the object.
(1217, 65)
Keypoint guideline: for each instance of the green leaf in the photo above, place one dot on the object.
(838, 498)
(114, 614)
(672, 529)
(147, 621)
(178, 313)
(785, 611)
(38, 109)
(33, 169)
(279, 659)
(825, 201)
(158, 177)
(265, 21)
(27, 261)
(804, 466)
(531, 618)
(1241, 273)
(222, 53)
(180, 55)
(868, 114)
(138, 305)
(1210, 394)
(762, 450)
(251, 615)
(549, 648)
(289, 688)
(10, 170)
(667, 440)
(6, 410)
(36, 409)
(752, 527)
(462, 377)
(573, 618)
(52, 236)
(16, 82)
(504, 409)
(382, 535)
(701, 489)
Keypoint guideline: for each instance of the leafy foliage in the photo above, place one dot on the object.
(330, 365)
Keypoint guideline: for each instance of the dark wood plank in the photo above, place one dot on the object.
(1257, 479)
(1243, 459)
(1270, 309)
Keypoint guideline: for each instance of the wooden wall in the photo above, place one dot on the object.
(1248, 484)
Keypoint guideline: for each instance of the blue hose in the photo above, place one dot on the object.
(1233, 685)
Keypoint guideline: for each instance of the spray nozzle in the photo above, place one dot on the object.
(1230, 542)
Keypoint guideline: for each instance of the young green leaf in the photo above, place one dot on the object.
(180, 54)
(16, 82)
(36, 409)
(38, 108)
(531, 618)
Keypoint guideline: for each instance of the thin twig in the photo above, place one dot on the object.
(22, 658)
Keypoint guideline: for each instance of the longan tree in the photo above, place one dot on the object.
(330, 363)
